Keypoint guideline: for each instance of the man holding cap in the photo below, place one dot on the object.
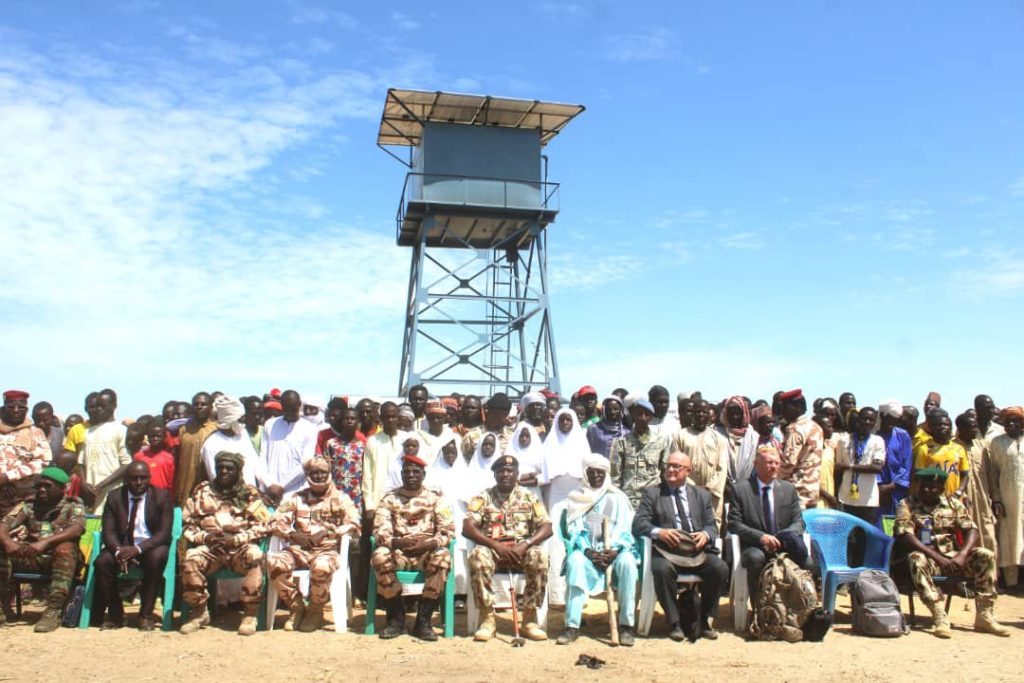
(508, 524)
(931, 525)
(42, 536)
(413, 527)
(638, 458)
(22, 455)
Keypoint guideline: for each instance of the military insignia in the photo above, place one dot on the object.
(475, 504)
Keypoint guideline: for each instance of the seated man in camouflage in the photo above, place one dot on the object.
(42, 536)
(927, 524)
(313, 520)
(413, 526)
(508, 524)
(223, 519)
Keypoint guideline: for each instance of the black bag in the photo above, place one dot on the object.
(818, 624)
(689, 614)
(73, 610)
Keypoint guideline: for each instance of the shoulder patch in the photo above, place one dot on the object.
(475, 504)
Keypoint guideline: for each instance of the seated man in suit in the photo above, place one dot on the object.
(137, 521)
(765, 512)
(680, 521)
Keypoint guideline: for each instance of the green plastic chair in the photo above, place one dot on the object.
(135, 574)
(211, 588)
(411, 578)
(92, 523)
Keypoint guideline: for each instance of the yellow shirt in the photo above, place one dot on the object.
(74, 441)
(951, 457)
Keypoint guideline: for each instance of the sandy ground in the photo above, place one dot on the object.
(217, 653)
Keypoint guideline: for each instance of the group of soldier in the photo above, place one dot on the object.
(642, 487)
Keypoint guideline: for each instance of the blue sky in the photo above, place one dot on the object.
(820, 195)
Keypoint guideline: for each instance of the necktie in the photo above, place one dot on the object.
(132, 515)
(684, 521)
(766, 506)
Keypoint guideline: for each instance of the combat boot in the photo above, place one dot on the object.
(940, 621)
(395, 624)
(531, 629)
(422, 628)
(296, 611)
(985, 619)
(249, 620)
(314, 619)
(50, 621)
(487, 626)
(200, 618)
(5, 607)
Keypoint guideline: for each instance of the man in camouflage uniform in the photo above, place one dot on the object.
(24, 451)
(222, 520)
(313, 520)
(929, 523)
(42, 536)
(638, 458)
(507, 523)
(802, 449)
(413, 527)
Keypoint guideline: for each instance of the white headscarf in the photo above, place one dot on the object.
(229, 412)
(564, 453)
(891, 407)
(451, 479)
(583, 498)
(319, 403)
(531, 458)
(479, 476)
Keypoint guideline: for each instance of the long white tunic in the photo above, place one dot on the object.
(1006, 483)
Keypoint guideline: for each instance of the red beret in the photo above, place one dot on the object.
(415, 460)
(15, 395)
(791, 395)
(586, 390)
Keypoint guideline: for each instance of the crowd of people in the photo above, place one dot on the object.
(563, 491)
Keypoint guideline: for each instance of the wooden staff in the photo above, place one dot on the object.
(613, 607)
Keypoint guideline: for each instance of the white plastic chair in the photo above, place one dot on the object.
(648, 597)
(341, 593)
(739, 593)
(501, 586)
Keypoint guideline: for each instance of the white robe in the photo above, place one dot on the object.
(254, 472)
(1006, 483)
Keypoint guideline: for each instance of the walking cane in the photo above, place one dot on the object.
(517, 641)
(613, 608)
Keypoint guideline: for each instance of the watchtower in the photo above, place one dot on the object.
(474, 209)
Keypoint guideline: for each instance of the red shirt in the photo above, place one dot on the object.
(161, 467)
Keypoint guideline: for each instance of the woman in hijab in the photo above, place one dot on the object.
(601, 434)
(448, 474)
(526, 447)
(479, 476)
(562, 473)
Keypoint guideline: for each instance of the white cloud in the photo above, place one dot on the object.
(404, 22)
(642, 46)
(319, 16)
(563, 9)
(577, 270)
(743, 240)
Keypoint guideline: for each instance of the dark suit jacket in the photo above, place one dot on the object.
(658, 510)
(159, 513)
(746, 517)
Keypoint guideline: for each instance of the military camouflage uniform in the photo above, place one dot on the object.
(61, 561)
(244, 517)
(948, 516)
(399, 514)
(518, 519)
(801, 459)
(334, 514)
(636, 463)
(23, 453)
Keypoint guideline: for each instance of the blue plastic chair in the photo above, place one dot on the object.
(408, 578)
(135, 574)
(830, 531)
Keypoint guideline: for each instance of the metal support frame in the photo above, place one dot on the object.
(479, 320)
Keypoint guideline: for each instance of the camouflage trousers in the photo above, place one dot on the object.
(61, 563)
(321, 566)
(980, 566)
(200, 562)
(434, 565)
(483, 563)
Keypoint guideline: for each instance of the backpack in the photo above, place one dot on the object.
(876, 606)
(785, 600)
(73, 610)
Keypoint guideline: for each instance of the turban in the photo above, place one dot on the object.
(830, 403)
(891, 407)
(228, 456)
(1011, 413)
(55, 474)
(744, 410)
(530, 398)
(229, 412)
(406, 411)
(596, 461)
(316, 464)
(759, 411)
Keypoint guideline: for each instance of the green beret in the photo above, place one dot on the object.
(504, 461)
(933, 473)
(56, 474)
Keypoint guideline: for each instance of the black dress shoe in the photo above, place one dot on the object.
(569, 635)
(111, 624)
(709, 632)
(147, 624)
(677, 633)
(626, 636)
